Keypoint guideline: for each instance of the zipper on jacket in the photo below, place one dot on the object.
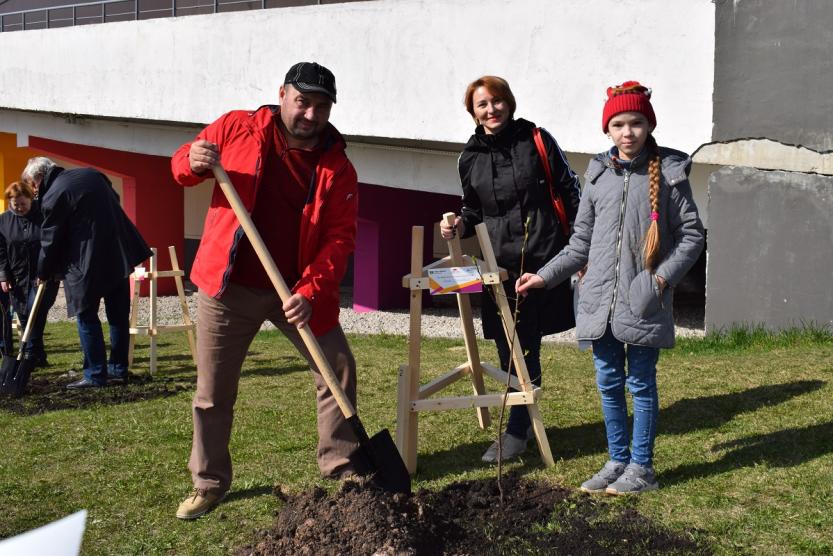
(238, 235)
(619, 244)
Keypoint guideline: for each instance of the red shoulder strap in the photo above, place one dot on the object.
(557, 202)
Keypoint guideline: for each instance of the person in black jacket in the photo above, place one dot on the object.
(88, 239)
(505, 186)
(20, 229)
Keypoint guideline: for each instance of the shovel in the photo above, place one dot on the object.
(15, 371)
(375, 456)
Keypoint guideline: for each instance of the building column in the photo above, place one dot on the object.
(12, 161)
(383, 242)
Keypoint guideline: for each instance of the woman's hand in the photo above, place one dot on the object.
(449, 232)
(5, 286)
(527, 282)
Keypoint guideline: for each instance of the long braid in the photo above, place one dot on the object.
(650, 252)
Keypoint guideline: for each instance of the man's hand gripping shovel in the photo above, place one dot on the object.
(376, 456)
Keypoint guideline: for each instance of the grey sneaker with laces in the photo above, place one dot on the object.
(636, 478)
(611, 471)
(511, 446)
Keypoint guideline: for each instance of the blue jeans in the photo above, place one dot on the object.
(117, 308)
(519, 421)
(609, 356)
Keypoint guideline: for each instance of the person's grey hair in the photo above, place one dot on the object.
(36, 169)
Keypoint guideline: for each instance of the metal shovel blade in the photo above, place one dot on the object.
(21, 377)
(15, 371)
(7, 372)
(15, 375)
(379, 458)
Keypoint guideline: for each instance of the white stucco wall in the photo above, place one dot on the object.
(401, 65)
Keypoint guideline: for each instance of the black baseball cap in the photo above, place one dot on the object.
(309, 77)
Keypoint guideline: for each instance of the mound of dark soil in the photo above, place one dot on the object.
(462, 519)
(50, 394)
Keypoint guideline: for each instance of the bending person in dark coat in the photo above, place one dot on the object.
(88, 239)
(19, 248)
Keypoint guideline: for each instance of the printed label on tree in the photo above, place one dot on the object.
(456, 279)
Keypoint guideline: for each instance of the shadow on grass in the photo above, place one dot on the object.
(785, 448)
(164, 357)
(710, 412)
(267, 369)
(258, 364)
(248, 493)
(52, 350)
(681, 417)
(466, 458)
(49, 393)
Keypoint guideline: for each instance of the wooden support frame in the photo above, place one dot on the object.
(414, 397)
(153, 329)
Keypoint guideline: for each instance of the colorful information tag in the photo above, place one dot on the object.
(139, 273)
(456, 279)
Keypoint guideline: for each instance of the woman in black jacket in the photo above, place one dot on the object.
(20, 235)
(505, 185)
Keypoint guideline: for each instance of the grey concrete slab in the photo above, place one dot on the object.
(774, 72)
(770, 257)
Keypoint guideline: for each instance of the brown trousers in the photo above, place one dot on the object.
(225, 329)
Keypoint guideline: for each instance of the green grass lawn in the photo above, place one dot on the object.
(744, 452)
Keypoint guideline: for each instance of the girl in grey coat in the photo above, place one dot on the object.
(637, 233)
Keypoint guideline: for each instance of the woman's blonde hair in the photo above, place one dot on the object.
(650, 250)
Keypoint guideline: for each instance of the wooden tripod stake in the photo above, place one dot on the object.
(415, 397)
(153, 329)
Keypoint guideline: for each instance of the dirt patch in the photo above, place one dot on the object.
(49, 394)
(463, 518)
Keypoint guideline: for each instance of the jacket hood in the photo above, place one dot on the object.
(265, 116)
(481, 141)
(675, 165)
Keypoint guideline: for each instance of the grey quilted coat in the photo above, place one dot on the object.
(612, 219)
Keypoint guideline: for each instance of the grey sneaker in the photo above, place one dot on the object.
(512, 446)
(636, 478)
(611, 471)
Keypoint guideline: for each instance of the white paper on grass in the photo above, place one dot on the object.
(59, 538)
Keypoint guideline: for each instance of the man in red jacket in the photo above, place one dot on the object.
(288, 164)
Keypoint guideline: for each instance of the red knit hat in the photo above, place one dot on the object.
(630, 96)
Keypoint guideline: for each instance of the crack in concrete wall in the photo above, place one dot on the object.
(766, 154)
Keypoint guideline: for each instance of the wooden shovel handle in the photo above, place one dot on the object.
(283, 291)
(28, 330)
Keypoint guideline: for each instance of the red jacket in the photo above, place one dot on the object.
(328, 221)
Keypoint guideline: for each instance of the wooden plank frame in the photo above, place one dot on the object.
(414, 397)
(152, 329)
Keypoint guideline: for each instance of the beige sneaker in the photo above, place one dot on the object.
(198, 502)
(511, 446)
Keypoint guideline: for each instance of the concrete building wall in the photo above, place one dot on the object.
(774, 72)
(770, 249)
(770, 257)
(401, 65)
